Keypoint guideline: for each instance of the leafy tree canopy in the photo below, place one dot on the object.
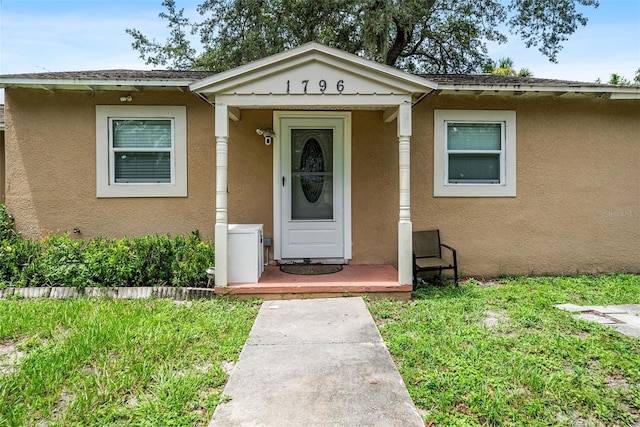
(432, 36)
(504, 67)
(617, 79)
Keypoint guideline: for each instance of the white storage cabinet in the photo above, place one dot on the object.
(246, 262)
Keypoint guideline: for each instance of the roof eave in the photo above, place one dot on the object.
(92, 84)
(611, 91)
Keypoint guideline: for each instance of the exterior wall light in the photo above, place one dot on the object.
(268, 135)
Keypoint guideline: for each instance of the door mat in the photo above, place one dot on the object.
(310, 269)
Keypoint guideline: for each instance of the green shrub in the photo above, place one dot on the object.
(18, 262)
(149, 260)
(111, 262)
(191, 254)
(6, 225)
(154, 259)
(102, 261)
(61, 262)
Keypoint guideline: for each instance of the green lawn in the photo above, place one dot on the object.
(502, 356)
(471, 355)
(99, 362)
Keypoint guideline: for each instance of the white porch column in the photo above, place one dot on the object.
(221, 230)
(405, 268)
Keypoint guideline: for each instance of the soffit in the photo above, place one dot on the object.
(100, 80)
(492, 84)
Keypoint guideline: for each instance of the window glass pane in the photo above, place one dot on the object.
(142, 167)
(312, 174)
(474, 136)
(141, 133)
(474, 168)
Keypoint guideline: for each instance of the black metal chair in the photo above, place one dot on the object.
(427, 255)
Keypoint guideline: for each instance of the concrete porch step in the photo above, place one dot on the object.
(376, 281)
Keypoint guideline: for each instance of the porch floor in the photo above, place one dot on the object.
(377, 281)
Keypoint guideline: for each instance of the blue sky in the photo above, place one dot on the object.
(71, 35)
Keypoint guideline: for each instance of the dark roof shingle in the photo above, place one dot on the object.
(114, 75)
(497, 79)
(164, 75)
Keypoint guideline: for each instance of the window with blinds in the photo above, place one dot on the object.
(474, 152)
(141, 151)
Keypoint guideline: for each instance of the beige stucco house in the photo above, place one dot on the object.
(338, 157)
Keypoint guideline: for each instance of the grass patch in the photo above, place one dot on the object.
(470, 356)
(503, 356)
(101, 362)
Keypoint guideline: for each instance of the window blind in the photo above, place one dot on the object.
(142, 133)
(474, 136)
(142, 150)
(132, 167)
(474, 168)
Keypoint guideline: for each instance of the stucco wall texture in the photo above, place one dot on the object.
(2, 166)
(51, 168)
(577, 207)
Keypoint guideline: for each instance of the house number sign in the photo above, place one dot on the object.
(322, 85)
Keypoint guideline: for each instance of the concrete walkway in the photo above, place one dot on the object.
(317, 362)
(624, 318)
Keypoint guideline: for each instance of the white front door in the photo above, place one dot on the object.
(312, 193)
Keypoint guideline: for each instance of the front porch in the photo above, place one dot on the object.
(313, 92)
(376, 281)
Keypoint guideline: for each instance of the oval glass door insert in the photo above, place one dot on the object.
(312, 161)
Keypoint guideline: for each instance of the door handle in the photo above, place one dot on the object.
(283, 181)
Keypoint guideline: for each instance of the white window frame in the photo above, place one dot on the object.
(105, 180)
(507, 185)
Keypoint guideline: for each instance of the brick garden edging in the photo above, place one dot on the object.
(143, 292)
